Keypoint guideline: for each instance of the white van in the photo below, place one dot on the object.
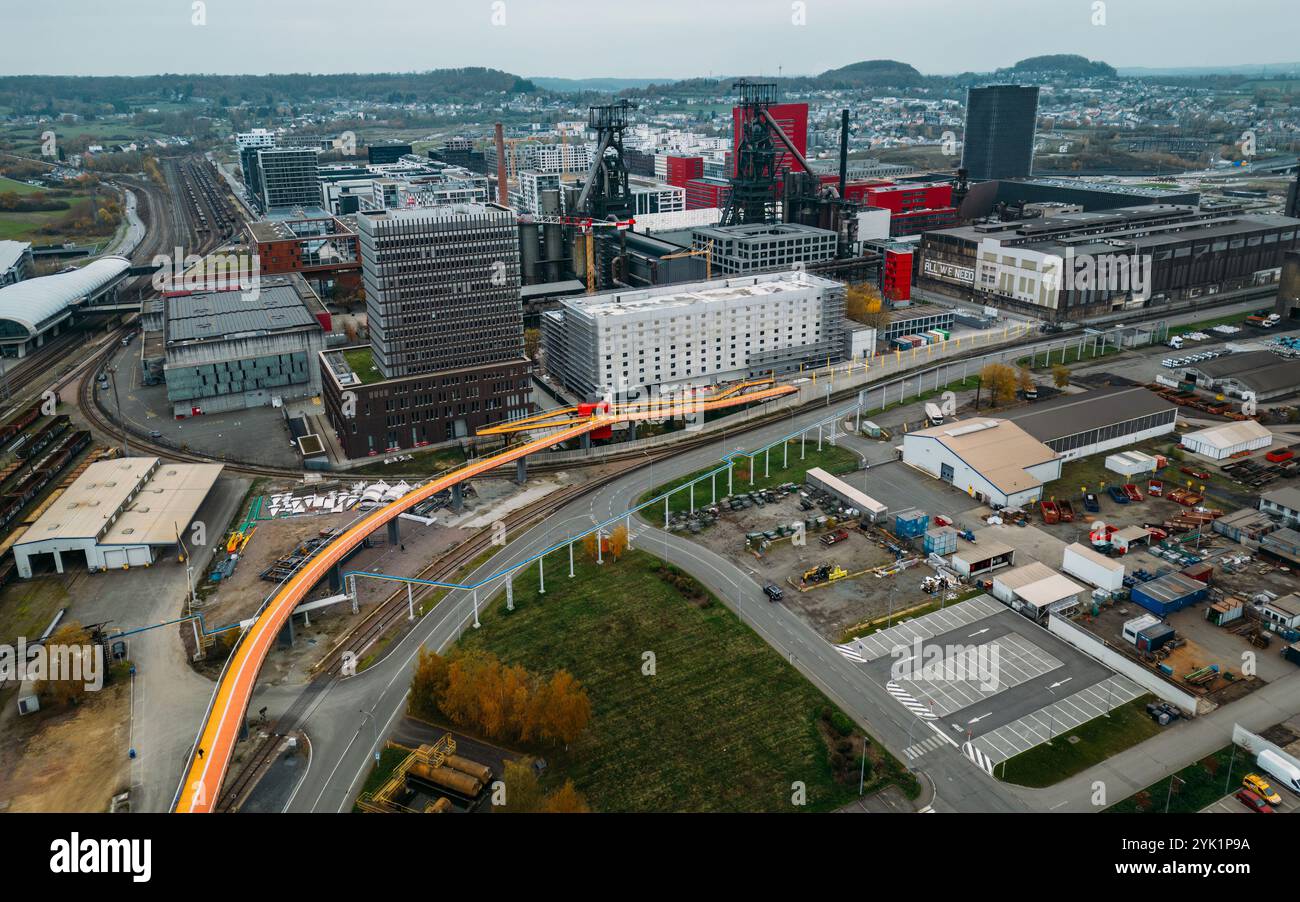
(1280, 769)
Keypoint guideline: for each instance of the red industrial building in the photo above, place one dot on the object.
(896, 276)
(703, 193)
(324, 251)
(682, 169)
(914, 208)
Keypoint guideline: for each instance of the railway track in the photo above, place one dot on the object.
(97, 418)
(382, 620)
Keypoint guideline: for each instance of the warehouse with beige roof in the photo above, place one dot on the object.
(990, 459)
(117, 515)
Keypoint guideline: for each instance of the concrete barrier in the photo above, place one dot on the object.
(1096, 648)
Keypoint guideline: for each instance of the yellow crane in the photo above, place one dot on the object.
(706, 252)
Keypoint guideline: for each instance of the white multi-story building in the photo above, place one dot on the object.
(651, 196)
(258, 137)
(531, 185)
(694, 334)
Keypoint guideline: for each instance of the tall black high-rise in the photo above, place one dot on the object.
(999, 137)
(1293, 198)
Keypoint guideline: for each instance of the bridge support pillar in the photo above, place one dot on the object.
(335, 578)
(586, 441)
(631, 430)
(394, 531)
(286, 634)
(521, 470)
(457, 497)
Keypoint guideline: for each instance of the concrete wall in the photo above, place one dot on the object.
(1097, 648)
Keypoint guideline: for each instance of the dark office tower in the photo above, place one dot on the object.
(999, 137)
(442, 288)
(288, 177)
(1293, 198)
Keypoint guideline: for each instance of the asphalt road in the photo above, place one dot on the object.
(349, 722)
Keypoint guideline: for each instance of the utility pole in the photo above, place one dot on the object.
(117, 408)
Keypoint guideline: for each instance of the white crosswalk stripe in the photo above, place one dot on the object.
(901, 695)
(978, 758)
(918, 749)
(851, 652)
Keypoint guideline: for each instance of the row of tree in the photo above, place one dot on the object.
(1002, 381)
(504, 702)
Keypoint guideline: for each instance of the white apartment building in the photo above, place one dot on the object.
(258, 137)
(697, 333)
(531, 185)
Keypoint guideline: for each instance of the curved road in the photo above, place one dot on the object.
(348, 722)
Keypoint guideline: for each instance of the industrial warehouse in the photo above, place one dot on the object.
(225, 350)
(993, 460)
(1075, 265)
(1096, 421)
(117, 515)
(1261, 375)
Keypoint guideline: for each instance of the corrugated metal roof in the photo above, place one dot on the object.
(1072, 414)
(219, 314)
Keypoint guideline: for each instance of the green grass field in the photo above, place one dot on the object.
(1098, 739)
(1234, 319)
(13, 186)
(1197, 785)
(831, 458)
(28, 606)
(724, 724)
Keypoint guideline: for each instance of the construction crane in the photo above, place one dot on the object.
(706, 252)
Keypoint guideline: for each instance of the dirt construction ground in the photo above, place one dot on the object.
(71, 759)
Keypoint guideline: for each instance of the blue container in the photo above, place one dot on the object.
(910, 524)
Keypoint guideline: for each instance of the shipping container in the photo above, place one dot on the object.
(1093, 567)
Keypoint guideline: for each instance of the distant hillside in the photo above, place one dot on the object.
(578, 85)
(41, 93)
(883, 73)
(1069, 63)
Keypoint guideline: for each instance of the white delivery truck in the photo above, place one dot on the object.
(1176, 342)
(934, 414)
(1280, 769)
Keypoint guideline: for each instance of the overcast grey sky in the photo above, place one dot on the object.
(628, 38)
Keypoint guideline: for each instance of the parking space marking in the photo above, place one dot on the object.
(1055, 719)
(1018, 661)
(883, 643)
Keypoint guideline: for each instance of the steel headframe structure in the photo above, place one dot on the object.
(753, 186)
(605, 192)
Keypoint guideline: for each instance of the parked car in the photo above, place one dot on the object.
(1254, 802)
(1258, 785)
(773, 593)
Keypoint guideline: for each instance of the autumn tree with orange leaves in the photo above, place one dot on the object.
(503, 702)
